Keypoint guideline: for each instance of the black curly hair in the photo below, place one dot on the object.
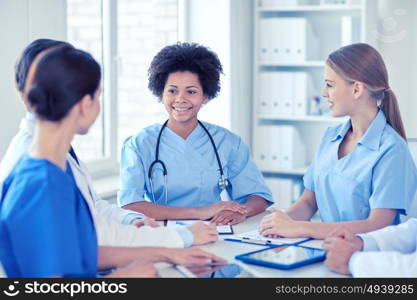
(189, 57)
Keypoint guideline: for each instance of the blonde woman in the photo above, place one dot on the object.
(363, 175)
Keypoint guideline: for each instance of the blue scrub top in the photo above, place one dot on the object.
(46, 228)
(193, 171)
(379, 173)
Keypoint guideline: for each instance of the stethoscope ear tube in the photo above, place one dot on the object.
(164, 169)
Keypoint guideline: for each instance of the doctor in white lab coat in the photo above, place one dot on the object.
(387, 252)
(112, 223)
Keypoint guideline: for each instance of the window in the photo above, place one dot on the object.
(84, 20)
(123, 36)
(143, 28)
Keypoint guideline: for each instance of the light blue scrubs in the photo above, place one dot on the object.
(46, 228)
(379, 173)
(193, 172)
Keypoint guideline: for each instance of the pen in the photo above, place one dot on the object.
(180, 223)
(249, 240)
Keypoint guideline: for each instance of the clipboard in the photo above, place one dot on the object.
(253, 237)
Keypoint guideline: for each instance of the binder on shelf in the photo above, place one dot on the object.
(303, 91)
(286, 94)
(292, 148)
(264, 93)
(346, 31)
(282, 191)
(277, 39)
(275, 87)
(278, 148)
(261, 154)
(265, 44)
(292, 40)
(274, 134)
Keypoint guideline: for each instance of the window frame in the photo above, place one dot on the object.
(109, 166)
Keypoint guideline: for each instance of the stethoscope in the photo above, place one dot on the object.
(222, 183)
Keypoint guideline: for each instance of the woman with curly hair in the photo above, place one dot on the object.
(184, 168)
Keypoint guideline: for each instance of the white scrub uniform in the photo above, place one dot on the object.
(108, 218)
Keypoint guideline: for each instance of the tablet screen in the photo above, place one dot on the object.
(287, 255)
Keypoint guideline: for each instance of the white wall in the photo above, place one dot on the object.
(398, 45)
(241, 75)
(22, 21)
(208, 24)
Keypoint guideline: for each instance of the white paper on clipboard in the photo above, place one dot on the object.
(221, 229)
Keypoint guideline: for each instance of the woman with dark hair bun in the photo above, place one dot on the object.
(46, 228)
(110, 220)
(184, 168)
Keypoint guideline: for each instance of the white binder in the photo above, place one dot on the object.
(275, 87)
(265, 30)
(278, 36)
(264, 93)
(281, 189)
(293, 151)
(275, 146)
(286, 94)
(346, 31)
(303, 90)
(261, 148)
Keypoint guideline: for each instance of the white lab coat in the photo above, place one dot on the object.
(388, 252)
(107, 217)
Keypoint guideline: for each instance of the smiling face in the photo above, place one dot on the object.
(339, 93)
(183, 97)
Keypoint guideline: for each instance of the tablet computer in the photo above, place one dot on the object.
(284, 257)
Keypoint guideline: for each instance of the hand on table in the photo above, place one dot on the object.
(228, 217)
(340, 246)
(203, 233)
(279, 224)
(145, 221)
(209, 211)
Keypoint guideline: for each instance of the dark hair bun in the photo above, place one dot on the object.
(63, 76)
(42, 103)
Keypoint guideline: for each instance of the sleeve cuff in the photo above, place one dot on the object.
(129, 218)
(369, 243)
(353, 262)
(186, 235)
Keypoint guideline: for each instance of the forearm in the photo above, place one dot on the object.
(117, 257)
(301, 211)
(255, 205)
(162, 212)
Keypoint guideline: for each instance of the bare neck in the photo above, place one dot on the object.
(183, 129)
(52, 141)
(362, 119)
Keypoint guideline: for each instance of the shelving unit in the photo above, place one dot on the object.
(324, 26)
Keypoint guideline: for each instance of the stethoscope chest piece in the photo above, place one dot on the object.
(223, 183)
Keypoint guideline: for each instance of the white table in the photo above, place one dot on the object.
(229, 250)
